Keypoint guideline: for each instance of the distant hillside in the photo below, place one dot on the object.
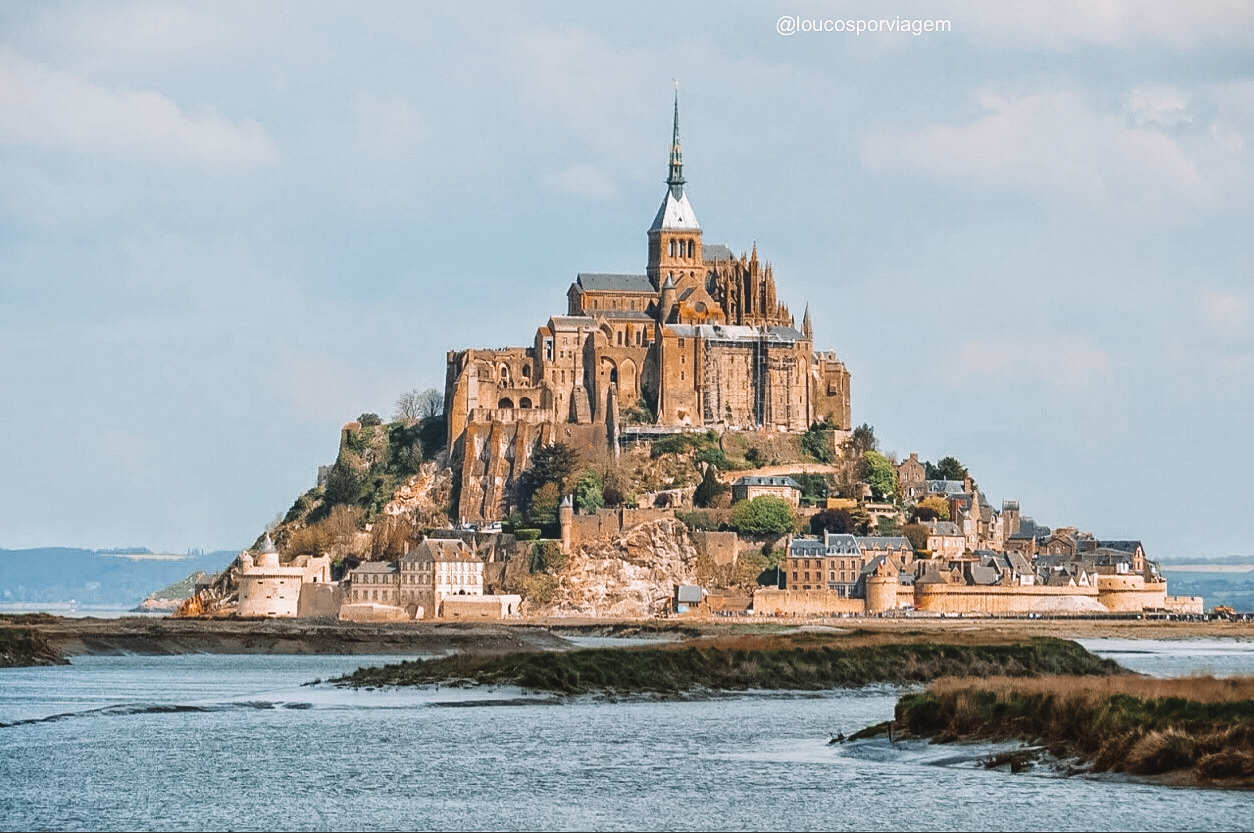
(95, 578)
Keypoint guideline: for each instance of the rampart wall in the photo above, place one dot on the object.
(772, 602)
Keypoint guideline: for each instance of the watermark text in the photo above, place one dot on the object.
(791, 24)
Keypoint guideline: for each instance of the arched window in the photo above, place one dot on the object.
(505, 402)
(525, 402)
(504, 373)
(672, 248)
(692, 247)
(620, 338)
(526, 371)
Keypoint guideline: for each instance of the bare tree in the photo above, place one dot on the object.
(416, 404)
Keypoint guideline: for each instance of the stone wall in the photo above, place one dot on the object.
(719, 546)
(319, 600)
(769, 602)
(957, 599)
(607, 523)
(479, 607)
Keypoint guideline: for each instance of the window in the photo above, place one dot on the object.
(681, 342)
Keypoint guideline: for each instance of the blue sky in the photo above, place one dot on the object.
(228, 228)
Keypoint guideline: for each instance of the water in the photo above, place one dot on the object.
(252, 748)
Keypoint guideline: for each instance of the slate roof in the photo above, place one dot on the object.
(786, 333)
(573, 321)
(948, 528)
(946, 487)
(375, 567)
(599, 282)
(759, 480)
(675, 214)
(716, 251)
(883, 542)
(688, 593)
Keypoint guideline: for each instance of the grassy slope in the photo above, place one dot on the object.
(779, 664)
(1197, 725)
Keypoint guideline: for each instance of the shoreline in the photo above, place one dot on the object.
(86, 636)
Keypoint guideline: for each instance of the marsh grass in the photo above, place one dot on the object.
(756, 665)
(1144, 726)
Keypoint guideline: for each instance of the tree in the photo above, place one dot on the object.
(932, 508)
(816, 443)
(813, 486)
(544, 503)
(916, 534)
(708, 491)
(589, 496)
(368, 420)
(947, 468)
(553, 464)
(764, 515)
(416, 404)
(836, 521)
(861, 441)
(880, 475)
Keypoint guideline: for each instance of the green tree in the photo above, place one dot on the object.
(880, 475)
(861, 441)
(813, 486)
(589, 495)
(343, 485)
(816, 442)
(544, 503)
(947, 468)
(708, 491)
(764, 515)
(553, 464)
(368, 420)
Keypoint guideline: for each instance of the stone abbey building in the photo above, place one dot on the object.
(700, 338)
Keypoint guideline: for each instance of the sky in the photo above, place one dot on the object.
(228, 228)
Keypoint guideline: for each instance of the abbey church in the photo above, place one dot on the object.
(698, 341)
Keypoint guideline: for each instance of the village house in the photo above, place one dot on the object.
(752, 486)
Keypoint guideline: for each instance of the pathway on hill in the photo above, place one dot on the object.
(782, 468)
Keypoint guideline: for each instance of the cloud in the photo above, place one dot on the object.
(1158, 106)
(43, 107)
(1069, 364)
(581, 181)
(1065, 24)
(1055, 142)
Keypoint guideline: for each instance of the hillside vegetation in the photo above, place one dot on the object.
(775, 665)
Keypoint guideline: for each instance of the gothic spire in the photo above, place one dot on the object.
(676, 178)
(807, 326)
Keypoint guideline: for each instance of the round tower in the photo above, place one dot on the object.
(881, 593)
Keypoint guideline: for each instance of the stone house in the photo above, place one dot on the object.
(945, 539)
(751, 486)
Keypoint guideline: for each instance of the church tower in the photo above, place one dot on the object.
(675, 236)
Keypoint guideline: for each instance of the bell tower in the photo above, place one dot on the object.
(675, 236)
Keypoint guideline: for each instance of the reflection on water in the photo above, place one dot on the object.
(220, 742)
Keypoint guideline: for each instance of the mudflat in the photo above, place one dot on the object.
(145, 635)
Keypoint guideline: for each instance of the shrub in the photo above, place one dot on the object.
(815, 442)
(540, 587)
(368, 420)
(526, 534)
(764, 515)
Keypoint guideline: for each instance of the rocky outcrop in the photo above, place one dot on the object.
(632, 576)
(424, 497)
